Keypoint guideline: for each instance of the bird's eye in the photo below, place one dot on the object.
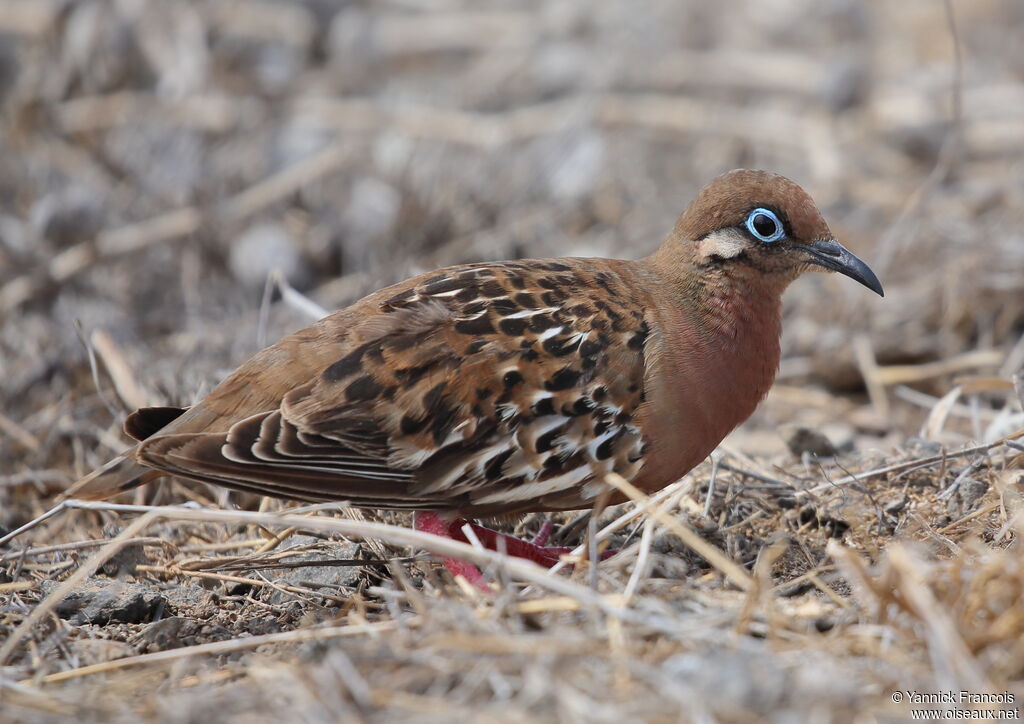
(764, 225)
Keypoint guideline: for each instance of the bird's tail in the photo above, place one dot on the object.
(120, 474)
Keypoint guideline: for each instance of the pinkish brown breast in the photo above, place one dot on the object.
(714, 361)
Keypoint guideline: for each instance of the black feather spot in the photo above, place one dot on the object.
(604, 281)
(544, 407)
(478, 325)
(605, 449)
(541, 322)
(445, 285)
(483, 393)
(558, 346)
(574, 461)
(552, 462)
(442, 424)
(525, 299)
(512, 327)
(347, 365)
(547, 441)
(601, 427)
(492, 289)
(511, 378)
(493, 467)
(599, 393)
(529, 355)
(411, 425)
(475, 346)
(637, 340)
(589, 348)
(401, 297)
(412, 375)
(563, 379)
(581, 407)
(433, 396)
(362, 389)
(504, 307)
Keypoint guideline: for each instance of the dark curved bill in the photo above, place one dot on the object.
(830, 254)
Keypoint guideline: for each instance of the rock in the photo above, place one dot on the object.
(122, 564)
(100, 601)
(896, 506)
(177, 631)
(313, 576)
(969, 492)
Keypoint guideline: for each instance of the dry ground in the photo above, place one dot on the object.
(159, 160)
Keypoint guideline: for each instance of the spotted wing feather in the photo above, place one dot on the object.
(483, 389)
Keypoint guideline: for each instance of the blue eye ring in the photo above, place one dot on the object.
(756, 218)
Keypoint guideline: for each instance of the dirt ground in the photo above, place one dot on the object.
(161, 161)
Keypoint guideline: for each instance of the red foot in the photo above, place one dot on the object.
(436, 525)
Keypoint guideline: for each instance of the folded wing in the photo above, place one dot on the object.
(486, 388)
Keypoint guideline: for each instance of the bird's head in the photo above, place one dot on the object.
(759, 225)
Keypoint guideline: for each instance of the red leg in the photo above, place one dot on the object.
(434, 524)
(515, 547)
(532, 551)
